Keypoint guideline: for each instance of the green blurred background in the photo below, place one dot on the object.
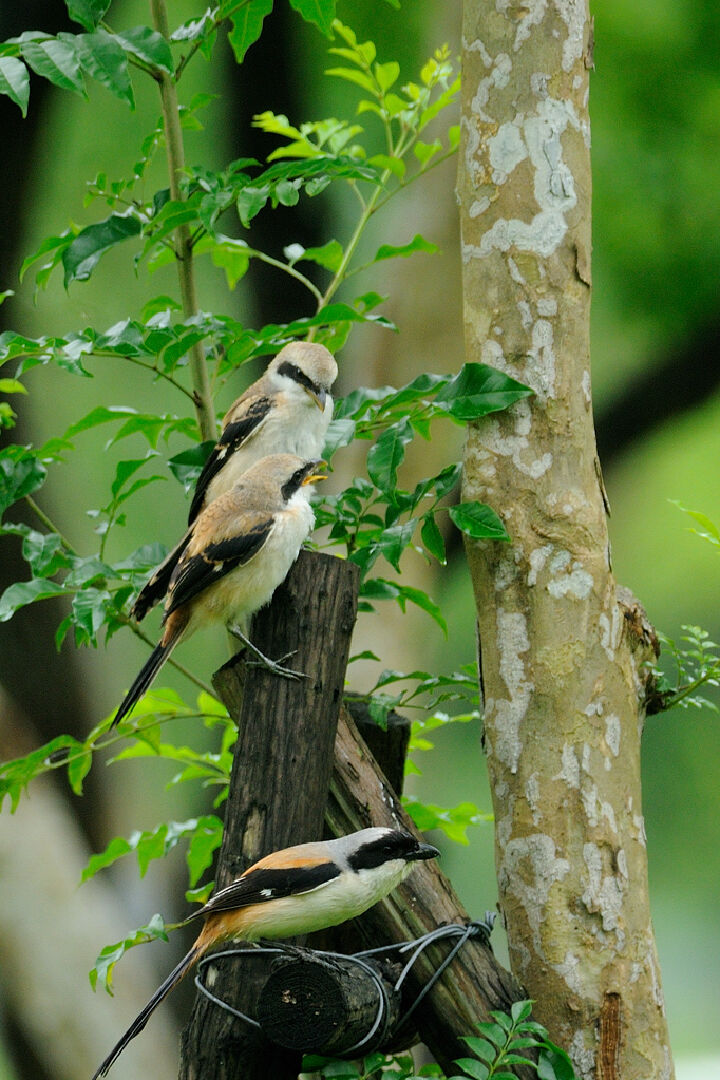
(655, 103)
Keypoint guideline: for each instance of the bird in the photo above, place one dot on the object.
(287, 410)
(233, 557)
(294, 891)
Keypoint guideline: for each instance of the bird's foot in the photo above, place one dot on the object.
(261, 660)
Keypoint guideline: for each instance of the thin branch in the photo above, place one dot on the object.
(297, 274)
(49, 525)
(204, 407)
(161, 375)
(120, 616)
(197, 44)
(127, 621)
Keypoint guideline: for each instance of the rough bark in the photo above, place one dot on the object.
(561, 657)
(281, 769)
(475, 982)
(328, 1005)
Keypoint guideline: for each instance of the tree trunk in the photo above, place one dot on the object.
(475, 982)
(561, 657)
(282, 763)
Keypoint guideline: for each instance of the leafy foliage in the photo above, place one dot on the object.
(211, 214)
(498, 1048)
(695, 658)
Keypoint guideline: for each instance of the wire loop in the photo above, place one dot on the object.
(415, 948)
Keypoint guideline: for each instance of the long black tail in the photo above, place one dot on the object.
(146, 675)
(142, 1018)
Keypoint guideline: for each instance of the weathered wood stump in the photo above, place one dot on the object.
(330, 1005)
(281, 769)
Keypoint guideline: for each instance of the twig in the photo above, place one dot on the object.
(202, 396)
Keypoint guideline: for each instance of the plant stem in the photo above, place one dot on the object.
(120, 616)
(202, 393)
(49, 525)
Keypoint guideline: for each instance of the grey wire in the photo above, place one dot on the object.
(463, 933)
(206, 960)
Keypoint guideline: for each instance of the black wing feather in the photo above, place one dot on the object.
(232, 438)
(258, 886)
(157, 586)
(192, 575)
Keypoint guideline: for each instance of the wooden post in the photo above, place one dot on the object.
(278, 788)
(475, 982)
(389, 745)
(328, 1005)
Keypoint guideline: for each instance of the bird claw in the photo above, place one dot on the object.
(261, 660)
(277, 669)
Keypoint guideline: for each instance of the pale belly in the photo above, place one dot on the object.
(305, 439)
(242, 592)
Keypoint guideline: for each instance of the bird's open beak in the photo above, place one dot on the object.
(320, 398)
(313, 477)
(424, 851)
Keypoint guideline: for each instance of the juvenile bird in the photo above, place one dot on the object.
(294, 891)
(233, 557)
(286, 411)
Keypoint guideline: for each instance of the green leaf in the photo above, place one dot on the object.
(520, 1010)
(11, 386)
(250, 202)
(53, 245)
(423, 601)
(26, 592)
(479, 521)
(425, 152)
(480, 1047)
(387, 454)
(205, 841)
(101, 415)
(89, 614)
(319, 12)
(454, 821)
(103, 59)
(418, 243)
(493, 1032)
(233, 256)
(477, 390)
(353, 76)
(554, 1064)
(115, 850)
(187, 465)
(147, 45)
(394, 165)
(78, 768)
(15, 81)
(247, 26)
(43, 552)
(339, 433)
(473, 1068)
(83, 254)
(21, 473)
(329, 255)
(87, 12)
(124, 470)
(391, 543)
(102, 972)
(386, 74)
(56, 61)
(432, 538)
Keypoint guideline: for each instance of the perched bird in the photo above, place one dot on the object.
(294, 891)
(233, 557)
(287, 411)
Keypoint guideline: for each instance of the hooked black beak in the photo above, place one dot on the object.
(319, 396)
(423, 851)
